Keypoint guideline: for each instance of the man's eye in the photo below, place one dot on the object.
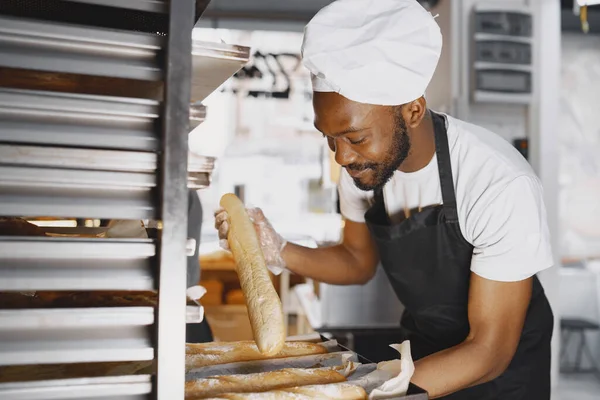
(359, 141)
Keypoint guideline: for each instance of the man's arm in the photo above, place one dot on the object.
(354, 261)
(497, 313)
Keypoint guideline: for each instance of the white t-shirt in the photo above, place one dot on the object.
(499, 199)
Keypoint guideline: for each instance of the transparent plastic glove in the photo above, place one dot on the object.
(271, 243)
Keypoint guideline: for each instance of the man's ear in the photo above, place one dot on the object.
(414, 112)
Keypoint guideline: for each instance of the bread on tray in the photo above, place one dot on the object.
(217, 353)
(334, 391)
(261, 382)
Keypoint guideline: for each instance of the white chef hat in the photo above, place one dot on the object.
(380, 52)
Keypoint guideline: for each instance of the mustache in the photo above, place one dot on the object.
(360, 167)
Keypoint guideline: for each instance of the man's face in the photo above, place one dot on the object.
(369, 141)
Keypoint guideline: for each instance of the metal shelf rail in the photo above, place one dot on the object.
(96, 156)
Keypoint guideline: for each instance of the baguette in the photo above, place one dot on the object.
(264, 306)
(335, 391)
(260, 382)
(199, 355)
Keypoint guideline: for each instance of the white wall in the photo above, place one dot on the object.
(579, 146)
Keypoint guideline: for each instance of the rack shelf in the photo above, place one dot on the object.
(93, 124)
(53, 336)
(58, 47)
(121, 387)
(58, 263)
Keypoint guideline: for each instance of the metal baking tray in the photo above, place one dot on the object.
(213, 64)
(55, 192)
(159, 6)
(58, 263)
(59, 47)
(76, 335)
(135, 387)
(86, 183)
(414, 392)
(66, 119)
(79, 120)
(92, 159)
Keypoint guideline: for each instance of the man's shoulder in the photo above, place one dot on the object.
(480, 154)
(485, 166)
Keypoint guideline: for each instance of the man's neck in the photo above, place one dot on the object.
(422, 146)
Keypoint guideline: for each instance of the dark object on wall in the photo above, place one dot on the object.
(523, 146)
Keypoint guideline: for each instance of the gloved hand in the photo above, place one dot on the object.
(271, 243)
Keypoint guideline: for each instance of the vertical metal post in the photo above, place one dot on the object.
(170, 349)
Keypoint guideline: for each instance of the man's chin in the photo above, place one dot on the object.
(372, 181)
(365, 184)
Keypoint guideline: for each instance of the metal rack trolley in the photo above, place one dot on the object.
(94, 116)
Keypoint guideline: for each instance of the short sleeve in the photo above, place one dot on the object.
(354, 202)
(511, 236)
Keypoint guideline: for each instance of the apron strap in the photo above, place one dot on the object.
(379, 202)
(442, 151)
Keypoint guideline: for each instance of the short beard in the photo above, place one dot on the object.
(384, 171)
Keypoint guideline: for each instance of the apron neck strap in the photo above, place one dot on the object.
(442, 151)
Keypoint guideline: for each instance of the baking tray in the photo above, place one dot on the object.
(78, 120)
(335, 357)
(82, 120)
(85, 183)
(213, 64)
(92, 159)
(56, 263)
(121, 387)
(414, 392)
(76, 335)
(60, 47)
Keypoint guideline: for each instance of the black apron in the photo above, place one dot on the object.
(427, 261)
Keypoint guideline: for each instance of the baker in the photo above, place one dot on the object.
(452, 211)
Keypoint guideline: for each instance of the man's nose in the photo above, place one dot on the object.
(344, 155)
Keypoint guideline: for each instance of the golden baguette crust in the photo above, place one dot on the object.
(334, 391)
(260, 382)
(216, 353)
(264, 306)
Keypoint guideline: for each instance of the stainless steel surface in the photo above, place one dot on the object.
(142, 5)
(54, 263)
(54, 336)
(56, 192)
(173, 198)
(92, 159)
(56, 47)
(74, 158)
(199, 180)
(59, 202)
(213, 64)
(75, 155)
(197, 115)
(67, 119)
(135, 387)
(85, 183)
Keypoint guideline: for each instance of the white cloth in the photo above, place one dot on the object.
(380, 52)
(500, 207)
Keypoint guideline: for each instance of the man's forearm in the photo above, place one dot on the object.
(459, 367)
(334, 265)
